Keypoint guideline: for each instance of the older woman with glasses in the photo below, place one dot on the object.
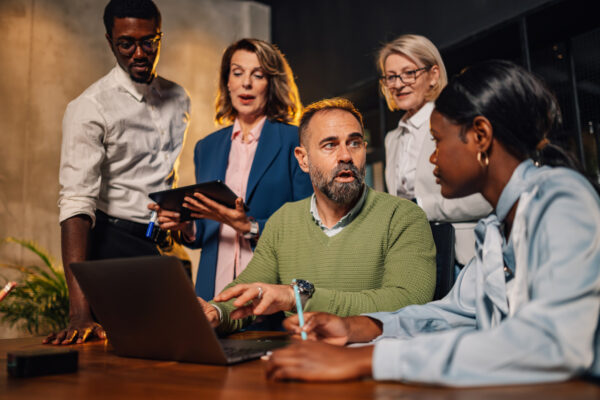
(254, 156)
(413, 75)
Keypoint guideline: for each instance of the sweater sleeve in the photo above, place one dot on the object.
(409, 270)
(262, 268)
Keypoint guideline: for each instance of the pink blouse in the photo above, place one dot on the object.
(234, 251)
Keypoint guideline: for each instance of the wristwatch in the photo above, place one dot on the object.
(253, 233)
(306, 290)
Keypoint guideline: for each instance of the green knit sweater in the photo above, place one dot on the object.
(382, 261)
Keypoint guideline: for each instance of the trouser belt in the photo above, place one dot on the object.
(137, 229)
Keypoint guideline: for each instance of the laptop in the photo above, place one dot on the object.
(149, 309)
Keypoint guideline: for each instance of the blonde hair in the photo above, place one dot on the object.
(423, 53)
(283, 100)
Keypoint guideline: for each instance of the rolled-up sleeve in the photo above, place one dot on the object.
(82, 154)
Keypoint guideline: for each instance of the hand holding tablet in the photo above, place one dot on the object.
(173, 199)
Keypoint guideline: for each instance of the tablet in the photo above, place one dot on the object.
(172, 199)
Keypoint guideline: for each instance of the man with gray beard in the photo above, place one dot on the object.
(352, 250)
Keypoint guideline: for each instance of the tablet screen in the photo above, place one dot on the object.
(172, 199)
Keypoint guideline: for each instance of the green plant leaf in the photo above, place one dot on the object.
(28, 244)
(40, 302)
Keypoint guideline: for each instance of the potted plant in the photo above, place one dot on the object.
(39, 303)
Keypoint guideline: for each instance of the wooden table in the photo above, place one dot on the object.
(103, 375)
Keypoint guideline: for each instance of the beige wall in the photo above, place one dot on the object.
(52, 50)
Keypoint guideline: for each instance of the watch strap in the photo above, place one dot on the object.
(253, 233)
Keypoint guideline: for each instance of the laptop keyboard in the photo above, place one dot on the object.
(236, 352)
(240, 350)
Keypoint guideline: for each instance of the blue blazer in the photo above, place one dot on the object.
(275, 178)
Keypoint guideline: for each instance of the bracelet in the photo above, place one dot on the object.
(219, 312)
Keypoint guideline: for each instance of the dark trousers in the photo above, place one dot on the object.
(110, 241)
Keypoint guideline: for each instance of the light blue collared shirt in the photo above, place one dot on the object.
(541, 325)
(346, 219)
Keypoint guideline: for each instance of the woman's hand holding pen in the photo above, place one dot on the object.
(323, 357)
(203, 207)
(325, 327)
(335, 330)
(258, 299)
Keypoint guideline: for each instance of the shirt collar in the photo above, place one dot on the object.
(518, 183)
(346, 219)
(254, 132)
(419, 118)
(138, 90)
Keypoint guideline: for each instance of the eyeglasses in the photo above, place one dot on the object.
(406, 77)
(149, 45)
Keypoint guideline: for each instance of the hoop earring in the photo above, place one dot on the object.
(483, 159)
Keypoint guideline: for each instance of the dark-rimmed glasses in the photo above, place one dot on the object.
(149, 45)
(406, 77)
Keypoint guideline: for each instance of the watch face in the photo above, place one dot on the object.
(305, 287)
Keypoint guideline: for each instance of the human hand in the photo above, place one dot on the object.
(318, 361)
(170, 220)
(203, 207)
(264, 299)
(321, 326)
(78, 331)
(212, 315)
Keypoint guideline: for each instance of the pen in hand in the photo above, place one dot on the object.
(299, 308)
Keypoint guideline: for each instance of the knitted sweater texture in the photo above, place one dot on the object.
(382, 261)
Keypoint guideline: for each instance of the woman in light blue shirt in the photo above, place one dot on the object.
(526, 308)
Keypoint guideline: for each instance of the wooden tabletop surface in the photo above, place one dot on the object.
(103, 375)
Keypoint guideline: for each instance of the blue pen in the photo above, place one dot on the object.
(299, 308)
(151, 224)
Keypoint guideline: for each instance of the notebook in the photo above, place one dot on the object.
(149, 309)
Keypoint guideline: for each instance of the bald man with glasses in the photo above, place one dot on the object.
(121, 139)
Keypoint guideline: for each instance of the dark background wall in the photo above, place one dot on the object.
(331, 44)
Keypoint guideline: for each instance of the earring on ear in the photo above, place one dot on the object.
(483, 159)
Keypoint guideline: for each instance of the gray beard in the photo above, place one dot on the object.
(342, 193)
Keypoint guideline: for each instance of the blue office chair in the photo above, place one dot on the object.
(443, 236)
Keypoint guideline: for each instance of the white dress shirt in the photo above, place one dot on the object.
(121, 141)
(402, 148)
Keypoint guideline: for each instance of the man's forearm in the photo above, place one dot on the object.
(75, 234)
